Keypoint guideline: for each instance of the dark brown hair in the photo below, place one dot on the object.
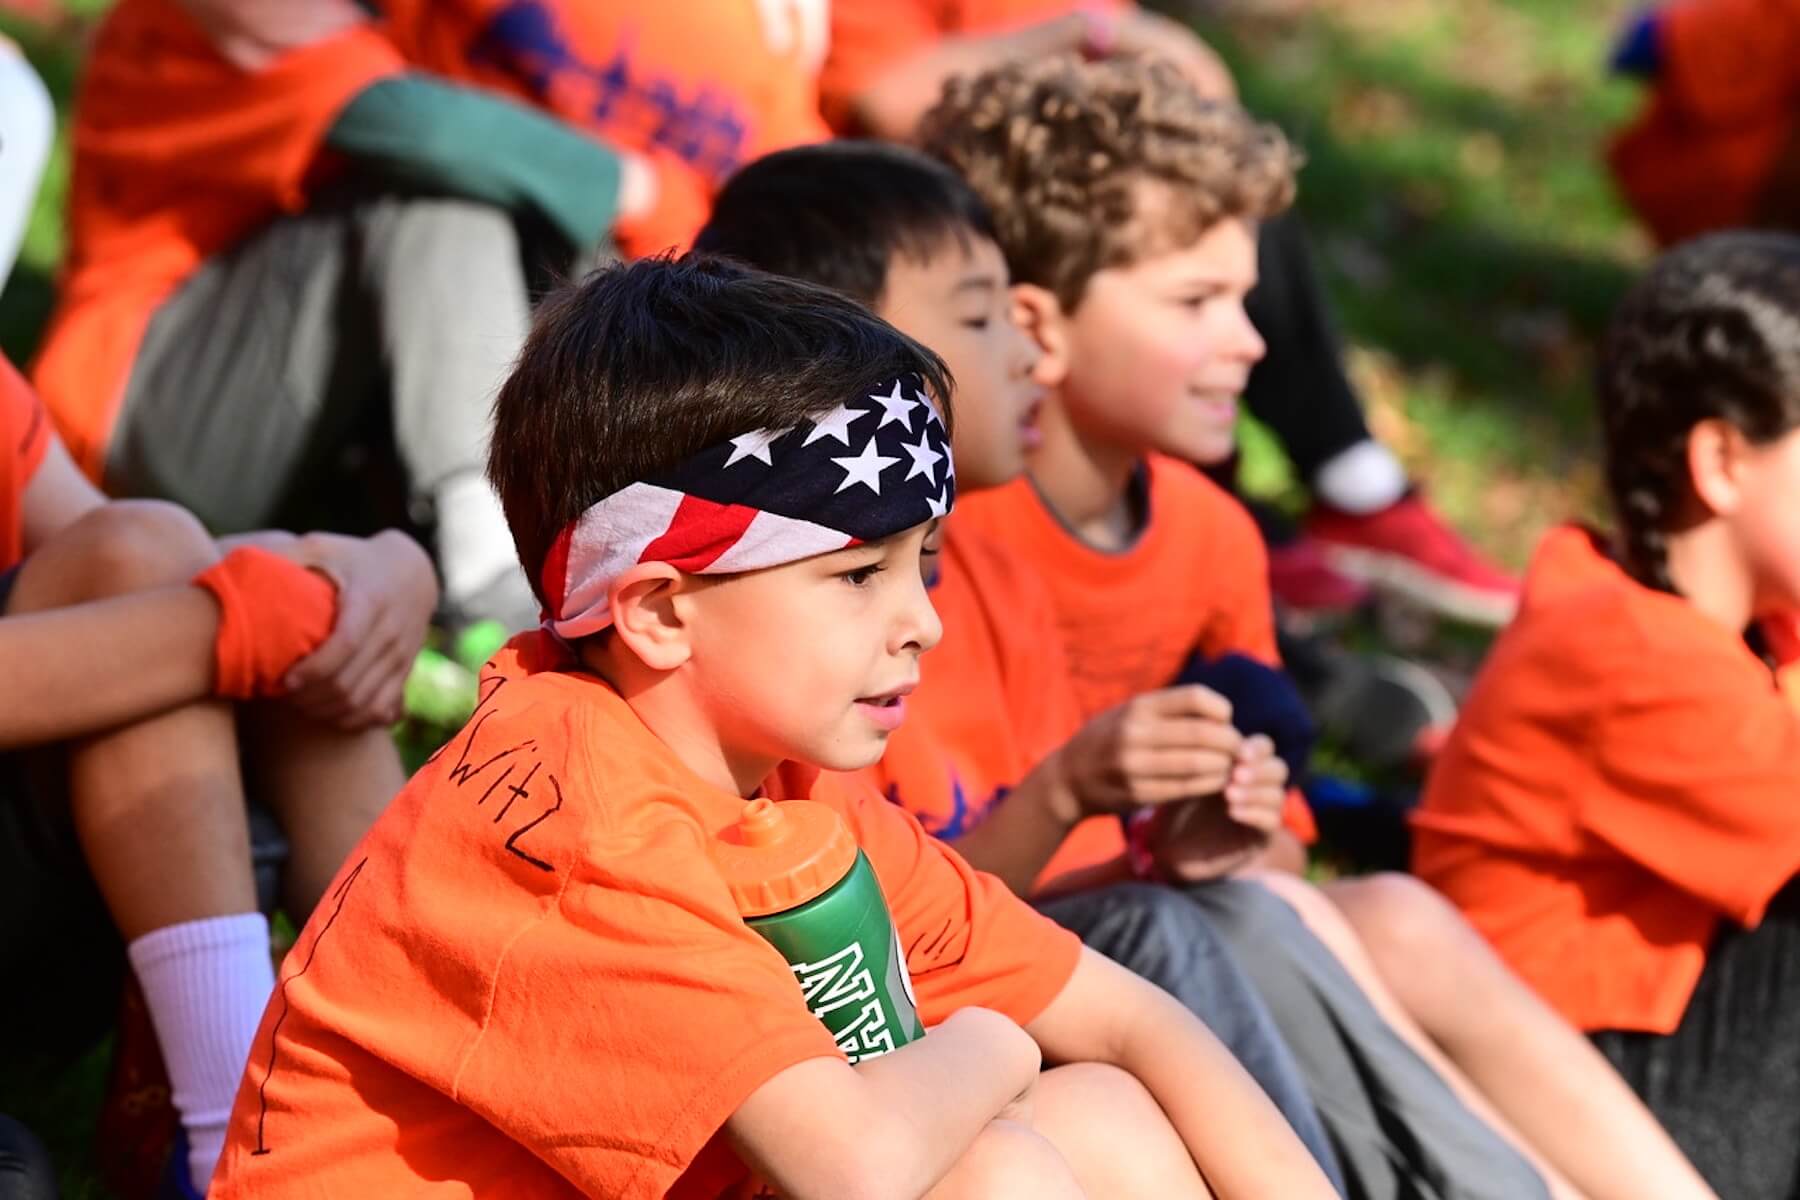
(637, 368)
(1711, 332)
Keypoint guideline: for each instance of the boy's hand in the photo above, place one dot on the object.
(1153, 749)
(386, 592)
(1209, 838)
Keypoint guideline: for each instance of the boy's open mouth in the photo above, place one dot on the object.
(888, 709)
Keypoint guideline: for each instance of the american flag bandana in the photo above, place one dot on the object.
(871, 467)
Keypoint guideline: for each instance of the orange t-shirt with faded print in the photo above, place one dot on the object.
(1195, 581)
(869, 37)
(701, 89)
(178, 155)
(24, 438)
(1623, 779)
(530, 981)
(993, 701)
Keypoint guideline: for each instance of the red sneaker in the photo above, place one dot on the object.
(1304, 581)
(1409, 549)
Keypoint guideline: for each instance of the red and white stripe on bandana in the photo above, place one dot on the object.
(867, 469)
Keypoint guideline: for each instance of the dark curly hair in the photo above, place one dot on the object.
(1711, 332)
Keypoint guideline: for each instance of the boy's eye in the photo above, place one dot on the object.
(861, 575)
(981, 322)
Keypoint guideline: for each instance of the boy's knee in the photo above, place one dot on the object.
(1007, 1159)
(133, 545)
(1405, 914)
(1112, 1132)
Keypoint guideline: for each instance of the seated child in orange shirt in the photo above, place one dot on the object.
(994, 757)
(1127, 206)
(1616, 807)
(148, 669)
(531, 980)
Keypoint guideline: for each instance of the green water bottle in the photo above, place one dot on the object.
(800, 881)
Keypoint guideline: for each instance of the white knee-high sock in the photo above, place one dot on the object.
(206, 984)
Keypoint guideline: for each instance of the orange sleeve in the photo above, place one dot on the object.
(1703, 766)
(969, 941)
(867, 38)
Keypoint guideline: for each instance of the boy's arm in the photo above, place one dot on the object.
(1237, 1137)
(890, 1127)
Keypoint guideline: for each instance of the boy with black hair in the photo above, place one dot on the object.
(532, 980)
(1128, 208)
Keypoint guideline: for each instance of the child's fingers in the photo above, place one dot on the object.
(1255, 748)
(354, 614)
(1189, 700)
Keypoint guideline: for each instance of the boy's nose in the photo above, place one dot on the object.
(919, 628)
(1246, 341)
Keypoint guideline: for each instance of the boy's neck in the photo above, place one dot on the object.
(1086, 483)
(666, 705)
(1708, 571)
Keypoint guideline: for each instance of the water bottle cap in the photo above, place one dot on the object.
(782, 855)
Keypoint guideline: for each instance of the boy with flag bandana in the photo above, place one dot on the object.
(531, 981)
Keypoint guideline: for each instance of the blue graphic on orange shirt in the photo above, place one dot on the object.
(705, 128)
(960, 819)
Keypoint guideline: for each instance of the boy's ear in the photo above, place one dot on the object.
(646, 617)
(1040, 314)
(1716, 454)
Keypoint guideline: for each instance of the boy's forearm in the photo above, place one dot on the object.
(91, 667)
(891, 1126)
(1238, 1137)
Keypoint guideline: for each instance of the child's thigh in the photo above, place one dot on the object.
(1113, 1134)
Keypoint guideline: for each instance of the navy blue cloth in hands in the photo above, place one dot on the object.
(1263, 700)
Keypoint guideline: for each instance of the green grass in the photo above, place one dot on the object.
(1468, 235)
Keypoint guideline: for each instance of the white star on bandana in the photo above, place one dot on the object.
(754, 444)
(937, 504)
(836, 424)
(896, 407)
(931, 411)
(924, 459)
(865, 468)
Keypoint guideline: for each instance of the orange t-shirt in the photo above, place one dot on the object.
(993, 701)
(869, 37)
(700, 89)
(529, 980)
(178, 155)
(1196, 581)
(1723, 111)
(1622, 779)
(26, 434)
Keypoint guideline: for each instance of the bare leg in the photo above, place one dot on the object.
(325, 786)
(158, 805)
(1328, 924)
(1530, 1063)
(1113, 1135)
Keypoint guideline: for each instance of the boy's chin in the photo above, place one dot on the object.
(1205, 450)
(865, 752)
